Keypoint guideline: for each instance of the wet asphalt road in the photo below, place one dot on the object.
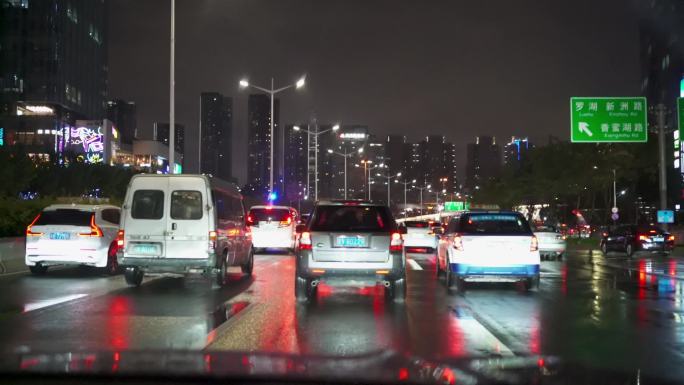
(605, 311)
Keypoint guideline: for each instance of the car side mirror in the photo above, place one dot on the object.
(300, 228)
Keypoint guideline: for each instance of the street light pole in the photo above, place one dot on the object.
(272, 91)
(345, 155)
(316, 134)
(172, 96)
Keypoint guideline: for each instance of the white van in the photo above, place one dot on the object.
(272, 227)
(183, 224)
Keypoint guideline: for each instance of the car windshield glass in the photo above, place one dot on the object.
(351, 218)
(70, 217)
(268, 215)
(494, 224)
(186, 205)
(148, 204)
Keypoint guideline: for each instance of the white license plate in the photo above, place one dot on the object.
(60, 236)
(145, 248)
(658, 239)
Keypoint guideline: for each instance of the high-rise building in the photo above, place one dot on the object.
(259, 141)
(348, 140)
(397, 153)
(123, 115)
(516, 152)
(295, 163)
(160, 133)
(216, 128)
(483, 161)
(53, 69)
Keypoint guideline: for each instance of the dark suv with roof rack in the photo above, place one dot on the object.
(350, 243)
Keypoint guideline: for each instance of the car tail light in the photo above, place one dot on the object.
(250, 220)
(30, 233)
(671, 238)
(305, 241)
(534, 244)
(604, 234)
(643, 237)
(95, 230)
(120, 239)
(396, 242)
(213, 236)
(287, 221)
(458, 242)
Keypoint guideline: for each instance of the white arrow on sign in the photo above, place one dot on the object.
(584, 127)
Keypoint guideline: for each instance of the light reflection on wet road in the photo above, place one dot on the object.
(606, 310)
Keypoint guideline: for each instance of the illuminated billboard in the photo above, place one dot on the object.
(89, 140)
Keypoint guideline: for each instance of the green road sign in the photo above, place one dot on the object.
(456, 206)
(680, 113)
(596, 120)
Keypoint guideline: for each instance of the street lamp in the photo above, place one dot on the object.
(244, 83)
(315, 134)
(405, 183)
(345, 155)
(388, 178)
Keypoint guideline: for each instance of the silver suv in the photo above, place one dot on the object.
(350, 243)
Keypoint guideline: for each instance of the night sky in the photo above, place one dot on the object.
(452, 68)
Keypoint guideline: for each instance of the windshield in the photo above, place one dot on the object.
(351, 218)
(68, 217)
(342, 191)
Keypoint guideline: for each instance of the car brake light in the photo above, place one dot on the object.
(95, 230)
(534, 244)
(604, 234)
(458, 242)
(287, 221)
(120, 239)
(30, 233)
(250, 220)
(396, 242)
(643, 237)
(671, 238)
(305, 241)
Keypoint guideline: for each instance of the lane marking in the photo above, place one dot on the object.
(31, 306)
(414, 264)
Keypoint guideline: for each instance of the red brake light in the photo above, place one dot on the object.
(458, 242)
(643, 237)
(250, 220)
(305, 241)
(534, 244)
(120, 239)
(671, 238)
(287, 221)
(604, 234)
(30, 233)
(95, 230)
(396, 242)
(652, 231)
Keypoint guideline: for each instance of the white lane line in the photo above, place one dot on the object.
(51, 302)
(414, 264)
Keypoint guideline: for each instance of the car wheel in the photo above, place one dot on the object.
(222, 271)
(531, 283)
(38, 269)
(112, 267)
(248, 267)
(604, 248)
(133, 276)
(448, 278)
(629, 249)
(439, 268)
(397, 290)
(303, 289)
(460, 284)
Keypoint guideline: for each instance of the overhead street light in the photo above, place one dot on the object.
(345, 155)
(244, 83)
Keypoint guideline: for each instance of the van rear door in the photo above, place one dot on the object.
(144, 218)
(188, 219)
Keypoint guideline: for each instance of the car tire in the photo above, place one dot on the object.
(397, 290)
(629, 249)
(222, 271)
(604, 248)
(112, 267)
(439, 269)
(531, 283)
(133, 276)
(248, 267)
(38, 269)
(303, 289)
(461, 284)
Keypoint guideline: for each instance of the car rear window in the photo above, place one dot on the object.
(186, 205)
(148, 204)
(494, 224)
(545, 229)
(417, 224)
(70, 217)
(352, 218)
(266, 215)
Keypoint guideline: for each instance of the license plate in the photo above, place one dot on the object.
(60, 236)
(658, 239)
(350, 241)
(146, 249)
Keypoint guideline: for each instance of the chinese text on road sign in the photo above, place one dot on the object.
(598, 119)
